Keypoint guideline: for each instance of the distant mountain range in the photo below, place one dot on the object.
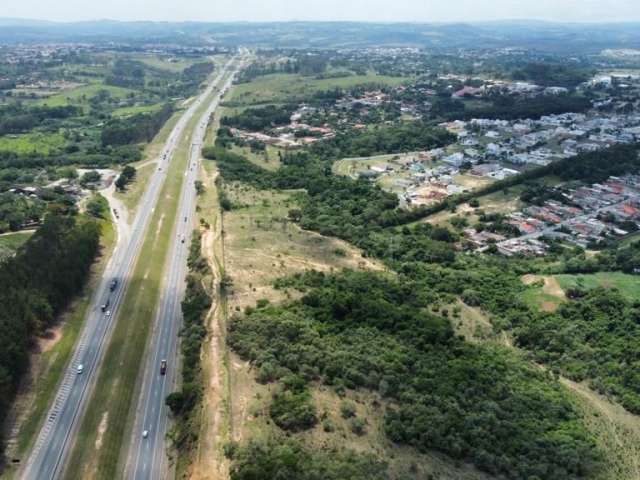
(543, 36)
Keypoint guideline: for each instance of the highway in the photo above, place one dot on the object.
(55, 439)
(147, 456)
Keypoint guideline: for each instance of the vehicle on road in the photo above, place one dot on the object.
(145, 433)
(105, 305)
(163, 367)
(182, 239)
(107, 313)
(80, 369)
(113, 285)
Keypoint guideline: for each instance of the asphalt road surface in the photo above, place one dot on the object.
(147, 455)
(55, 439)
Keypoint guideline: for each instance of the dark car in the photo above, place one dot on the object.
(163, 367)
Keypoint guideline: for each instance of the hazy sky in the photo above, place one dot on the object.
(362, 10)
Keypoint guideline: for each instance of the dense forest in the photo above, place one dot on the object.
(18, 118)
(481, 404)
(35, 285)
(259, 119)
(552, 74)
(135, 129)
(405, 137)
(289, 459)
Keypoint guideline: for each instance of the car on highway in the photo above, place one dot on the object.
(145, 433)
(105, 305)
(107, 313)
(80, 369)
(182, 239)
(113, 285)
(163, 367)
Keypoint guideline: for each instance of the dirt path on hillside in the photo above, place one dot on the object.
(209, 462)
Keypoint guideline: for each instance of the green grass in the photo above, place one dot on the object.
(269, 162)
(114, 397)
(128, 111)
(629, 285)
(53, 363)
(135, 190)
(280, 88)
(81, 95)
(162, 63)
(37, 142)
(10, 242)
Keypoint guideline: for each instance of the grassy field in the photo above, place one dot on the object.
(176, 65)
(268, 159)
(10, 242)
(102, 437)
(261, 245)
(37, 142)
(629, 285)
(82, 94)
(128, 111)
(56, 350)
(279, 88)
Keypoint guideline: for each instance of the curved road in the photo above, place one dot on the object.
(147, 456)
(48, 456)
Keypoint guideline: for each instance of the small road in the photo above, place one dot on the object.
(55, 439)
(147, 456)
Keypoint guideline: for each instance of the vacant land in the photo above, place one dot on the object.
(279, 88)
(545, 293)
(128, 111)
(81, 95)
(629, 285)
(37, 143)
(261, 245)
(10, 242)
(168, 63)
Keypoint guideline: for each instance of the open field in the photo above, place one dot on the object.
(278, 88)
(499, 202)
(82, 94)
(544, 293)
(37, 142)
(268, 159)
(127, 111)
(175, 65)
(629, 285)
(261, 245)
(51, 357)
(10, 242)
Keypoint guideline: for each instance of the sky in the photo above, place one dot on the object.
(333, 10)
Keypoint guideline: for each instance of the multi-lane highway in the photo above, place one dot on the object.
(147, 453)
(55, 439)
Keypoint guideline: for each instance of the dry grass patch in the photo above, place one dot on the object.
(261, 245)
